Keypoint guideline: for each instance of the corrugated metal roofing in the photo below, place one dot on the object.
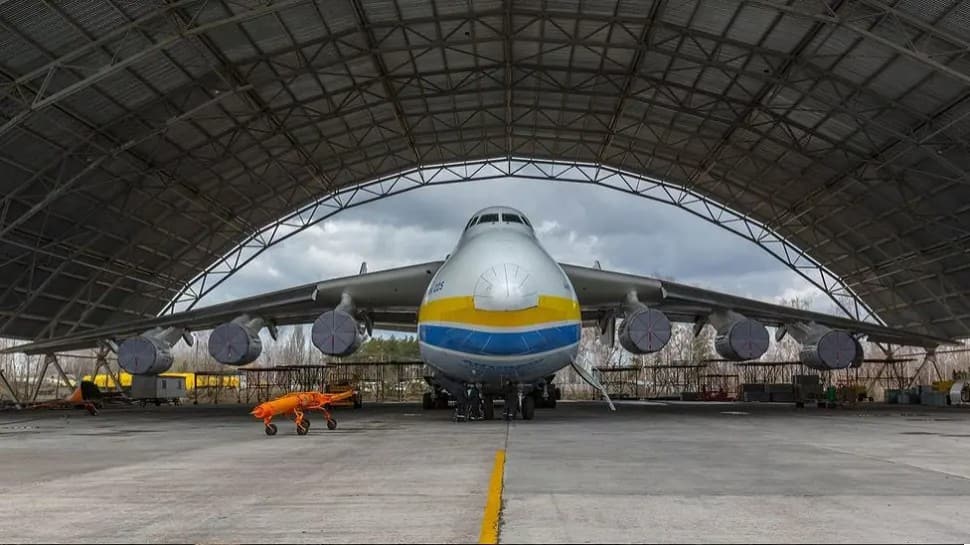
(140, 141)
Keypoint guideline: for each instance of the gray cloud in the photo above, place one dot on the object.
(577, 224)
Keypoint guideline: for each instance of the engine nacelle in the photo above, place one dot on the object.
(644, 330)
(336, 333)
(236, 342)
(826, 349)
(739, 338)
(147, 354)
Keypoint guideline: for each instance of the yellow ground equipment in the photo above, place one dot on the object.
(105, 381)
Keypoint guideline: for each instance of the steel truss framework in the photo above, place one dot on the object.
(523, 169)
(142, 141)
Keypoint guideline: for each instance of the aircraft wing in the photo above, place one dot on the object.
(392, 298)
(599, 291)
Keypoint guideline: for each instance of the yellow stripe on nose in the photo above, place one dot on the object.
(462, 310)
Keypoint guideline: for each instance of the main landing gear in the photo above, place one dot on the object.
(473, 404)
(525, 405)
(434, 400)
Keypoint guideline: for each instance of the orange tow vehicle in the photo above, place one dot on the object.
(296, 404)
(86, 396)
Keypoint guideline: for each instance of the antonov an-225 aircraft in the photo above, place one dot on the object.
(497, 318)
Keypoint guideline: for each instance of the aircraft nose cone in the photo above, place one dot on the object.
(505, 286)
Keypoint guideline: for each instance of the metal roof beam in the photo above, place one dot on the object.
(644, 40)
(879, 11)
(32, 101)
(364, 26)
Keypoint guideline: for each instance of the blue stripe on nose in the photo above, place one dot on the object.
(489, 343)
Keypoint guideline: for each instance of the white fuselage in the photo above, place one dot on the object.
(500, 308)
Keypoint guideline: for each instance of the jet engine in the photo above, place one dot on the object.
(824, 349)
(237, 342)
(151, 352)
(644, 330)
(336, 333)
(739, 338)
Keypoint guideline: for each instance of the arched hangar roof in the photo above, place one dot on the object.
(140, 141)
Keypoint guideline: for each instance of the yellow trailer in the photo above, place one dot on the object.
(105, 382)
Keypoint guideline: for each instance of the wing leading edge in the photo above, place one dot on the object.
(392, 298)
(601, 291)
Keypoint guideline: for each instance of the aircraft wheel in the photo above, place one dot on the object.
(489, 409)
(332, 424)
(426, 401)
(302, 430)
(271, 429)
(528, 408)
(441, 402)
(551, 403)
(306, 422)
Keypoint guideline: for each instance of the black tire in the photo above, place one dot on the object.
(271, 429)
(358, 402)
(426, 402)
(332, 424)
(306, 422)
(551, 403)
(302, 430)
(528, 408)
(441, 402)
(489, 408)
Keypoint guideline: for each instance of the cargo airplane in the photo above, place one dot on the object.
(498, 318)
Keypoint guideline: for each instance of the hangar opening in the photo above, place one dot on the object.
(522, 170)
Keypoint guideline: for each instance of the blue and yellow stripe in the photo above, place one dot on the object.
(453, 323)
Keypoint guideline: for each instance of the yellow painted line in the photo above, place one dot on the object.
(493, 506)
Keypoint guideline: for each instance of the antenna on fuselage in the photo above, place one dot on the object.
(596, 265)
(363, 267)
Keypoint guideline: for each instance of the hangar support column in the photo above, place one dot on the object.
(929, 357)
(10, 390)
(101, 360)
(50, 360)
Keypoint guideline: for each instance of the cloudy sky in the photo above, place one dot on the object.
(577, 224)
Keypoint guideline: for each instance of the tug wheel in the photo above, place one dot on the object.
(332, 424)
(271, 429)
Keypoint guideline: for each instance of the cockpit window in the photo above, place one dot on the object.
(488, 218)
(525, 220)
(471, 222)
(513, 218)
